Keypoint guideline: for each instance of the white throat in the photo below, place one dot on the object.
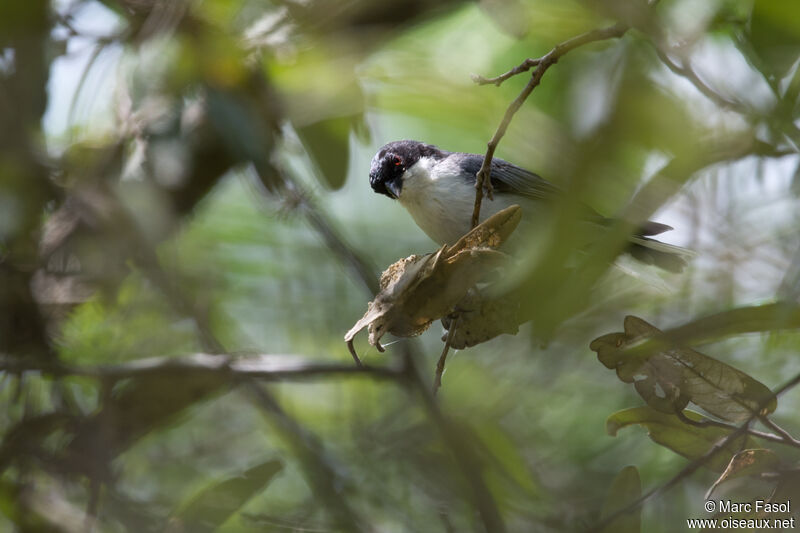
(440, 200)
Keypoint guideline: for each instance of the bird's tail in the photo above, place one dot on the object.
(652, 252)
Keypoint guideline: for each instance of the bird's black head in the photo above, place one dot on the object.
(391, 162)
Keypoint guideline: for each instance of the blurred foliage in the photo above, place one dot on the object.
(186, 234)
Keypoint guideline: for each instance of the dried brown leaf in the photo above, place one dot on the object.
(417, 290)
(669, 378)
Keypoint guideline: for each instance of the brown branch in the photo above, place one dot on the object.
(498, 80)
(785, 437)
(437, 380)
(700, 461)
(483, 181)
(267, 367)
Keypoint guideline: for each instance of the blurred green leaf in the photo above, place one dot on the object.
(625, 489)
(212, 506)
(788, 489)
(25, 440)
(672, 377)
(140, 405)
(328, 145)
(500, 448)
(688, 440)
(775, 33)
(239, 125)
(42, 511)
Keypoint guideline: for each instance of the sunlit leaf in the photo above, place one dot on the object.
(675, 375)
(626, 488)
(212, 506)
(689, 440)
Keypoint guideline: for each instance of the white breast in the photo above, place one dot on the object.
(441, 202)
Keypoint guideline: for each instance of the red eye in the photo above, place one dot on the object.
(397, 162)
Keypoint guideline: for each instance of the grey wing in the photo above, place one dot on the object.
(513, 179)
(508, 178)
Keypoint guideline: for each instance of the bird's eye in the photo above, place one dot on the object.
(397, 162)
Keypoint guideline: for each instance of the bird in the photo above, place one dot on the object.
(437, 188)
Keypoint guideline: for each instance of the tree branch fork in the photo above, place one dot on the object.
(483, 182)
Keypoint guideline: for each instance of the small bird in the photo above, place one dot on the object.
(437, 188)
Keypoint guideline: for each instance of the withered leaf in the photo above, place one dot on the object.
(747, 463)
(417, 290)
(672, 376)
(482, 317)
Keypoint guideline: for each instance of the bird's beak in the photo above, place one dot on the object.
(394, 186)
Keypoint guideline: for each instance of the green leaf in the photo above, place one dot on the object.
(671, 376)
(625, 489)
(747, 463)
(502, 452)
(144, 404)
(775, 33)
(240, 124)
(757, 318)
(328, 144)
(212, 506)
(688, 440)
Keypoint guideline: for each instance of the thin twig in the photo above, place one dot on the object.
(498, 80)
(352, 349)
(302, 200)
(542, 64)
(687, 72)
(437, 380)
(785, 437)
(780, 439)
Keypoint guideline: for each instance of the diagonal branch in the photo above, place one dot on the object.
(318, 468)
(685, 70)
(542, 64)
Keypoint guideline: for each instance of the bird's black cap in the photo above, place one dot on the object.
(393, 159)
